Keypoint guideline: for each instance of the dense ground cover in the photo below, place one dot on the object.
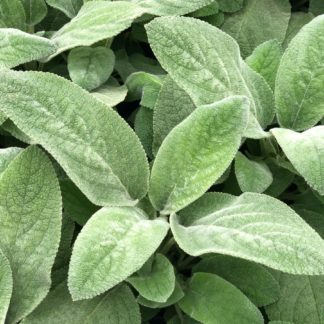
(162, 161)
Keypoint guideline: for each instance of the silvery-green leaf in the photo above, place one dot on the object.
(265, 60)
(209, 73)
(252, 176)
(316, 7)
(306, 153)
(80, 132)
(116, 306)
(171, 7)
(17, 47)
(208, 10)
(299, 96)
(176, 295)
(216, 20)
(196, 153)
(252, 279)
(296, 22)
(90, 67)
(35, 11)
(5, 287)
(110, 94)
(12, 14)
(113, 244)
(210, 299)
(244, 25)
(6, 156)
(301, 300)
(230, 5)
(157, 284)
(96, 21)
(252, 226)
(14, 131)
(69, 7)
(30, 217)
(172, 107)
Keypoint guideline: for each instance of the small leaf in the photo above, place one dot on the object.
(196, 153)
(30, 217)
(12, 14)
(251, 175)
(69, 7)
(17, 47)
(100, 20)
(110, 94)
(35, 11)
(252, 226)
(230, 5)
(244, 25)
(306, 153)
(116, 306)
(90, 67)
(6, 156)
(252, 279)
(265, 60)
(114, 244)
(5, 287)
(210, 299)
(209, 73)
(158, 284)
(299, 96)
(80, 132)
(301, 300)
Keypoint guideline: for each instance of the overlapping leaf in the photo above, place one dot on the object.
(5, 286)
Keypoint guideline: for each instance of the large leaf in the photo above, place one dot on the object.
(299, 95)
(252, 176)
(100, 20)
(30, 217)
(265, 60)
(301, 300)
(306, 153)
(172, 107)
(171, 7)
(69, 7)
(244, 25)
(116, 306)
(35, 11)
(86, 137)
(196, 153)
(114, 244)
(90, 67)
(252, 226)
(209, 73)
(210, 299)
(156, 283)
(17, 47)
(6, 156)
(5, 287)
(252, 279)
(12, 14)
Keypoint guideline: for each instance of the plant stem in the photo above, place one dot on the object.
(168, 245)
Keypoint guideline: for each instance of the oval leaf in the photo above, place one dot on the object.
(7, 155)
(86, 137)
(252, 226)
(30, 217)
(210, 299)
(114, 244)
(196, 153)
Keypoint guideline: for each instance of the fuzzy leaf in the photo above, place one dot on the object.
(244, 25)
(252, 279)
(17, 47)
(90, 67)
(30, 217)
(251, 175)
(299, 96)
(116, 306)
(301, 300)
(35, 11)
(100, 20)
(230, 5)
(80, 132)
(5, 287)
(252, 226)
(12, 14)
(206, 73)
(114, 244)
(316, 7)
(210, 299)
(196, 153)
(69, 7)
(6, 156)
(306, 153)
(111, 95)
(157, 284)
